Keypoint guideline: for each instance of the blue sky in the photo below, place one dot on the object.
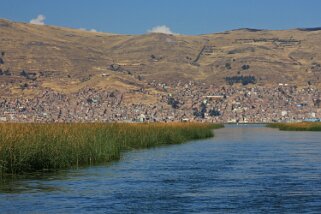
(181, 16)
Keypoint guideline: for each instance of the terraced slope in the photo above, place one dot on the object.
(37, 57)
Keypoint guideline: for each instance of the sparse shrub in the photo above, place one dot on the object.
(23, 73)
(228, 66)
(24, 86)
(115, 67)
(28, 75)
(7, 72)
(245, 67)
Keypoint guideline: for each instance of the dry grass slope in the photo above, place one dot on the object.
(68, 59)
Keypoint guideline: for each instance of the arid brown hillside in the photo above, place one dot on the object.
(36, 57)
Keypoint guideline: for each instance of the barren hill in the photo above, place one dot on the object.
(61, 58)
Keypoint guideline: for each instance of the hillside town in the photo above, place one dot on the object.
(193, 101)
(240, 76)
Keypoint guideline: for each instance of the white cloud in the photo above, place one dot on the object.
(93, 30)
(161, 29)
(40, 20)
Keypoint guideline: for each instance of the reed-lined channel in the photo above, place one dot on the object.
(243, 169)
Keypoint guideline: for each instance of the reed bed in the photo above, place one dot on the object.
(303, 126)
(46, 147)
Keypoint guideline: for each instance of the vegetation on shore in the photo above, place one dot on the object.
(303, 126)
(41, 147)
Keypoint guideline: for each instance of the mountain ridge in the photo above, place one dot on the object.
(63, 57)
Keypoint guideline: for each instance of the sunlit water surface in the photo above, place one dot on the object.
(244, 169)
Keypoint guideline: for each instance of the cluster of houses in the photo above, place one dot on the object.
(178, 101)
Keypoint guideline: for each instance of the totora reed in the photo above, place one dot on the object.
(44, 147)
(303, 126)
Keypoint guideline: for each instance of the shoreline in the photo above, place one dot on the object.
(27, 148)
(301, 126)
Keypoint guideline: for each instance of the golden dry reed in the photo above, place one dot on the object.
(41, 147)
(303, 126)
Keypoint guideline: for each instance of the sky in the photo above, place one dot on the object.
(191, 17)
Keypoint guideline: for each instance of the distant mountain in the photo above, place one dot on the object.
(39, 57)
(310, 29)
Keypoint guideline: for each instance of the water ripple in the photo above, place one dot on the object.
(249, 169)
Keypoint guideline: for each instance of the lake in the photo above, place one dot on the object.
(243, 169)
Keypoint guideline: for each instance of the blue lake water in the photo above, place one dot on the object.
(243, 169)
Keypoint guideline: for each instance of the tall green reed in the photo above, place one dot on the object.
(41, 147)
